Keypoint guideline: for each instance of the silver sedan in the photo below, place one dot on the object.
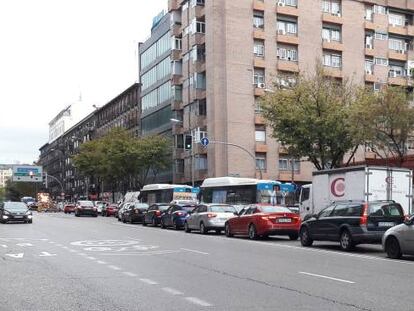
(206, 217)
(399, 240)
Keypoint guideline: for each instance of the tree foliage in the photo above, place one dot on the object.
(313, 118)
(14, 191)
(387, 118)
(122, 160)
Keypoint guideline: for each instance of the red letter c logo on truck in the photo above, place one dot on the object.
(338, 187)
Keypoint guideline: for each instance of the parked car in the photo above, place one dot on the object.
(86, 208)
(110, 210)
(15, 211)
(206, 217)
(123, 207)
(153, 214)
(100, 205)
(399, 240)
(135, 213)
(351, 223)
(69, 208)
(176, 215)
(263, 220)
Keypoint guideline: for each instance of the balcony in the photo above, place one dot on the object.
(176, 80)
(289, 66)
(333, 72)
(259, 120)
(177, 129)
(199, 66)
(200, 11)
(287, 10)
(283, 38)
(176, 55)
(173, 5)
(333, 45)
(177, 105)
(259, 34)
(368, 25)
(258, 5)
(398, 55)
(369, 52)
(333, 19)
(259, 62)
(197, 38)
(259, 91)
(261, 148)
(398, 30)
(399, 81)
(176, 30)
(370, 78)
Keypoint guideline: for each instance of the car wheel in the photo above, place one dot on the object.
(65, 212)
(203, 228)
(252, 232)
(187, 228)
(119, 219)
(77, 214)
(392, 248)
(345, 241)
(123, 219)
(227, 230)
(305, 238)
(176, 226)
(162, 224)
(294, 236)
(30, 221)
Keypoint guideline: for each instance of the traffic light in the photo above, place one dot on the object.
(188, 142)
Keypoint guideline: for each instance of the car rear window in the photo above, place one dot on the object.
(163, 207)
(274, 209)
(222, 209)
(381, 209)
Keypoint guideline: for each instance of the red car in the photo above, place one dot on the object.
(110, 210)
(69, 208)
(264, 220)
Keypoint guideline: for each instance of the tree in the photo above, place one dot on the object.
(313, 118)
(14, 191)
(387, 118)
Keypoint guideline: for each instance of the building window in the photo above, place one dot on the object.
(258, 77)
(260, 134)
(396, 19)
(176, 43)
(198, 27)
(286, 165)
(369, 41)
(331, 33)
(179, 166)
(293, 3)
(332, 60)
(287, 27)
(258, 105)
(201, 162)
(379, 9)
(258, 19)
(397, 71)
(369, 66)
(287, 53)
(381, 61)
(369, 11)
(398, 45)
(381, 35)
(258, 48)
(332, 7)
(179, 141)
(261, 161)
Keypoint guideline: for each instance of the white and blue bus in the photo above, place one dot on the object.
(166, 193)
(244, 191)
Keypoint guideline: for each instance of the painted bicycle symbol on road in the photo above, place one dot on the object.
(114, 246)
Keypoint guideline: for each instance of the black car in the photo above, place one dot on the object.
(134, 213)
(153, 214)
(15, 211)
(351, 223)
(86, 208)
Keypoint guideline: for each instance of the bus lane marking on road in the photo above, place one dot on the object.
(198, 301)
(114, 268)
(24, 244)
(3, 245)
(18, 256)
(194, 251)
(46, 254)
(326, 277)
(148, 281)
(129, 274)
(172, 291)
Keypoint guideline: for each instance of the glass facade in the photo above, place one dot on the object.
(158, 119)
(156, 97)
(156, 50)
(159, 72)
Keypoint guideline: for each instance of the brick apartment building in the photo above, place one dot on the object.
(225, 54)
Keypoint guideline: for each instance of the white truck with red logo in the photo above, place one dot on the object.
(359, 183)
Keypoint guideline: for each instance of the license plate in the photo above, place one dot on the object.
(385, 224)
(18, 217)
(284, 220)
(222, 219)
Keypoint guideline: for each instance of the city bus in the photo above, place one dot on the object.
(166, 193)
(244, 191)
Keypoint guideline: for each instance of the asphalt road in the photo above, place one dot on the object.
(61, 262)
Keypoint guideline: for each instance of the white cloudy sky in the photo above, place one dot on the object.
(50, 50)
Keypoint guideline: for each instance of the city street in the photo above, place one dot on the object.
(61, 262)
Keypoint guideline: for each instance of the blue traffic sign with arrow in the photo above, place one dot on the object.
(204, 141)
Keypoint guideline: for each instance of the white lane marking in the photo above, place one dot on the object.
(148, 281)
(129, 274)
(4, 246)
(197, 301)
(82, 254)
(19, 255)
(91, 258)
(46, 254)
(114, 268)
(141, 254)
(24, 244)
(194, 251)
(101, 262)
(326, 277)
(172, 291)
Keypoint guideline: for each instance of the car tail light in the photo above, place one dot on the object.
(180, 213)
(267, 217)
(211, 215)
(364, 218)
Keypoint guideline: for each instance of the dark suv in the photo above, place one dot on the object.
(352, 223)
